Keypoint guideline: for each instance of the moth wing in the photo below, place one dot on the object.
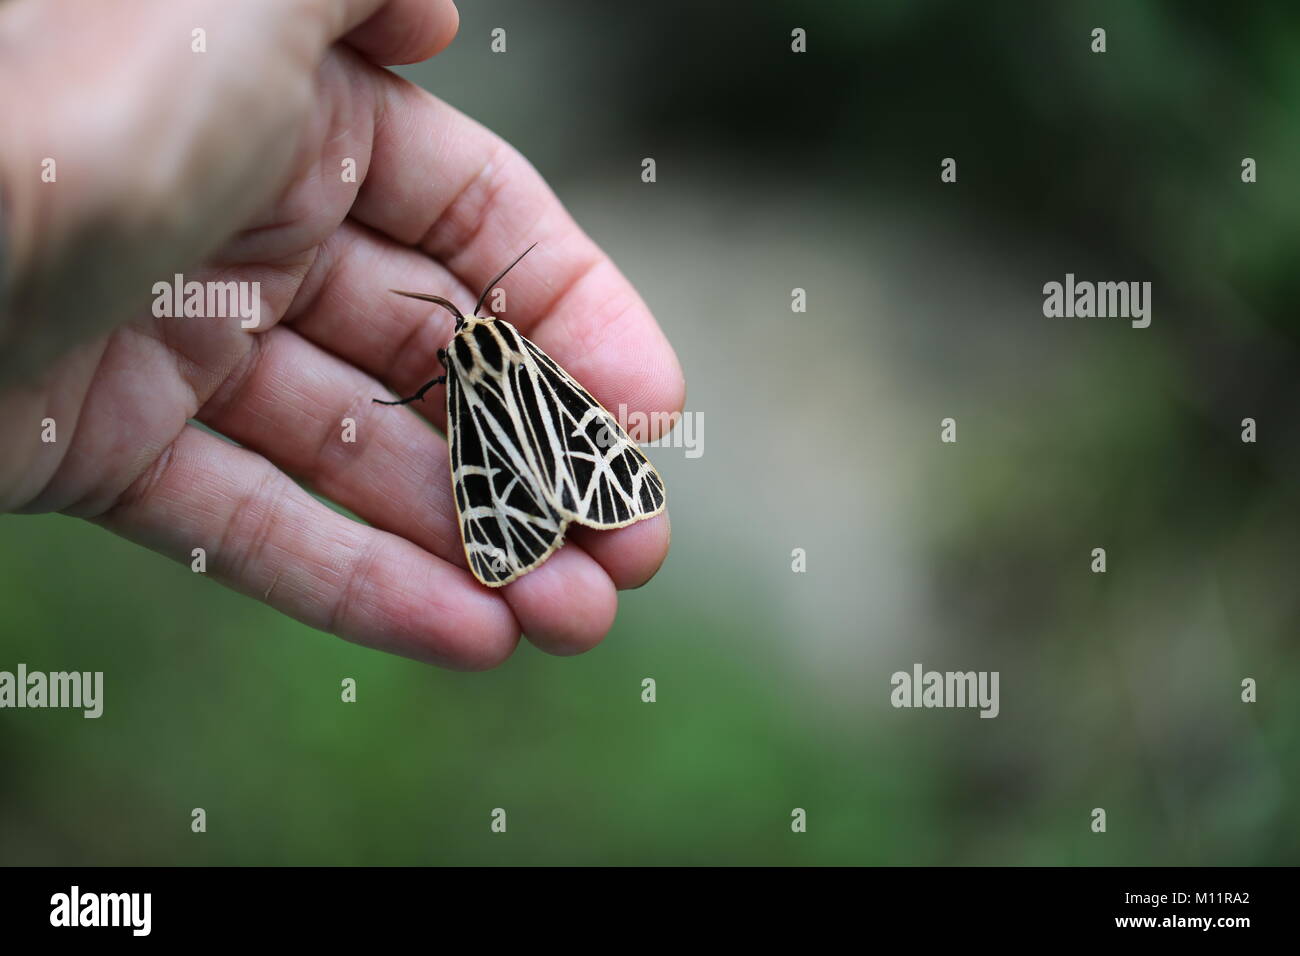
(593, 472)
(507, 522)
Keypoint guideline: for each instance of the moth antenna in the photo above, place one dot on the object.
(478, 306)
(436, 299)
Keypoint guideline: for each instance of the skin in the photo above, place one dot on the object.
(226, 165)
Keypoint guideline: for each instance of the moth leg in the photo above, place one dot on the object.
(417, 396)
(442, 358)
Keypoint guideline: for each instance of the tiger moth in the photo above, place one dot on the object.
(531, 449)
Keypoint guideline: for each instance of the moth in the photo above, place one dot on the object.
(531, 449)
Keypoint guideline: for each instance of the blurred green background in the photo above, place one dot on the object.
(818, 171)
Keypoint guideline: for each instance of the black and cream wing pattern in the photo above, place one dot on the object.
(532, 451)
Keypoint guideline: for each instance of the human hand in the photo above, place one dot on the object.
(226, 165)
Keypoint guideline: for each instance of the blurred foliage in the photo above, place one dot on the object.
(1125, 684)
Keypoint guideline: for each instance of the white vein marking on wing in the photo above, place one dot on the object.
(511, 522)
(550, 404)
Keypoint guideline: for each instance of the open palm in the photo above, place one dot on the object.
(229, 165)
